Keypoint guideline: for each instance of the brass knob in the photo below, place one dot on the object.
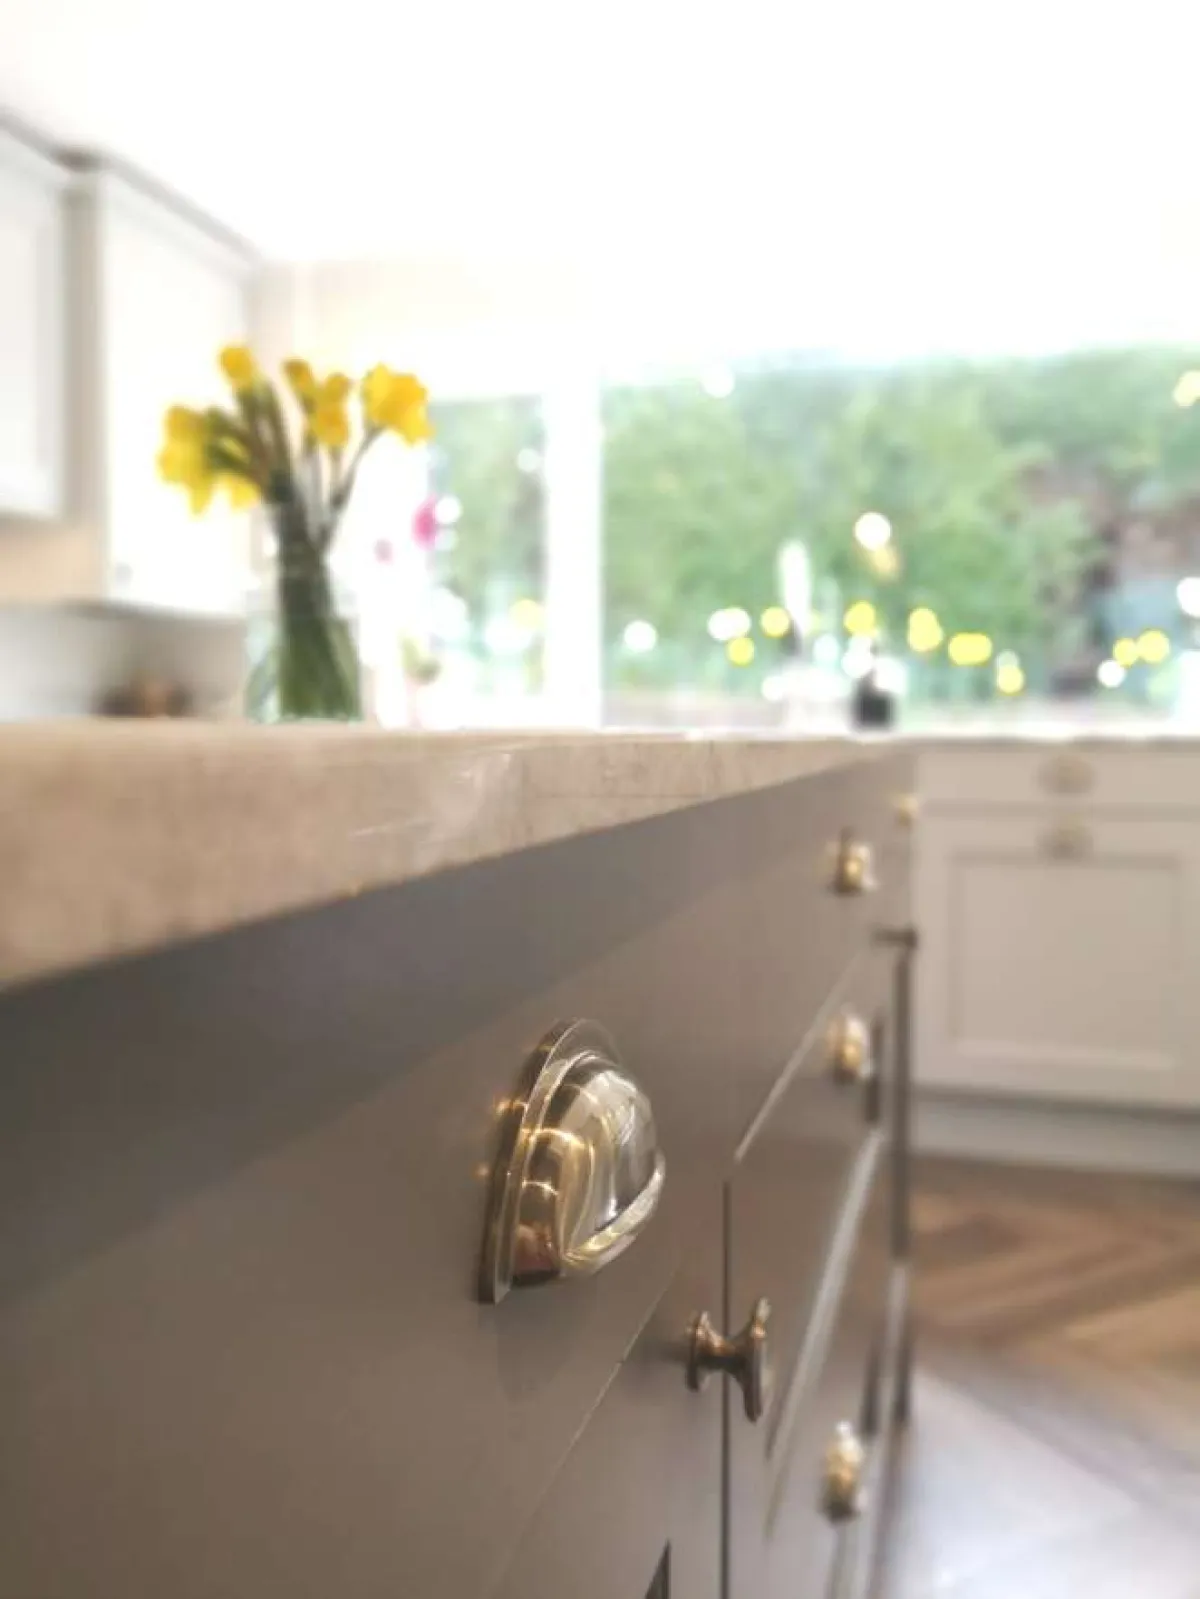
(1068, 840)
(742, 1357)
(849, 1043)
(842, 1497)
(908, 808)
(854, 867)
(1068, 772)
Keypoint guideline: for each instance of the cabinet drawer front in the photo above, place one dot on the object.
(245, 1188)
(794, 1168)
(799, 936)
(1140, 777)
(783, 1543)
(1057, 955)
(640, 1492)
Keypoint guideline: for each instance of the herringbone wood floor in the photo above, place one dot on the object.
(1055, 1444)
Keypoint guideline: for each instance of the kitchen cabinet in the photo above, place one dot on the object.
(32, 316)
(156, 294)
(809, 1217)
(265, 1189)
(1059, 899)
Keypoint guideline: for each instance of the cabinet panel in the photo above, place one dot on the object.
(32, 314)
(802, 935)
(171, 300)
(635, 1511)
(1059, 955)
(1148, 774)
(810, 1195)
(239, 1246)
(782, 1543)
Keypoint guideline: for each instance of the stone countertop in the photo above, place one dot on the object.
(120, 836)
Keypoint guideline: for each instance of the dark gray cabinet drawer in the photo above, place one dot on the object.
(241, 1346)
(783, 1543)
(640, 1491)
(794, 1166)
(242, 1191)
(799, 935)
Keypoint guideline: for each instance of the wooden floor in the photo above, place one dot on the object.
(1055, 1444)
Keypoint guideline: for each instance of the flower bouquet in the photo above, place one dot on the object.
(304, 482)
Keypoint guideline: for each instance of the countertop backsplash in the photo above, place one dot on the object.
(68, 660)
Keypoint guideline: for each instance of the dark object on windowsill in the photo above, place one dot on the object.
(870, 705)
(147, 697)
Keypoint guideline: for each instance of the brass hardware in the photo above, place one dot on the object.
(742, 1357)
(578, 1173)
(1068, 840)
(854, 867)
(908, 809)
(842, 1497)
(849, 1044)
(1068, 772)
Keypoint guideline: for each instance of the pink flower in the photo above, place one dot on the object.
(425, 525)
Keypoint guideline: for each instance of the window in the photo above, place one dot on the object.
(1000, 531)
(488, 558)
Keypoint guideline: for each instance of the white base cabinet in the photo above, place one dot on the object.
(32, 315)
(1061, 935)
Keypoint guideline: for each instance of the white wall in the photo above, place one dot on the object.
(495, 324)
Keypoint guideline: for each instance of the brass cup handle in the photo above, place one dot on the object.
(742, 1357)
(842, 1496)
(853, 868)
(578, 1173)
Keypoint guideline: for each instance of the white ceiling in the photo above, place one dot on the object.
(889, 150)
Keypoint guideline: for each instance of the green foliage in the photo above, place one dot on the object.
(1002, 480)
(498, 554)
(693, 513)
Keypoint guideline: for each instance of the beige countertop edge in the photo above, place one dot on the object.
(119, 837)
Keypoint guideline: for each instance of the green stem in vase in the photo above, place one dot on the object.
(315, 666)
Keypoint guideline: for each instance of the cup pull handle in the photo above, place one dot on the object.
(578, 1173)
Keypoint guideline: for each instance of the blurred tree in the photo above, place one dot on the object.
(916, 445)
(1011, 485)
(693, 517)
(486, 454)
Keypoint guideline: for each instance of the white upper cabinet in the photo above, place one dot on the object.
(32, 316)
(158, 294)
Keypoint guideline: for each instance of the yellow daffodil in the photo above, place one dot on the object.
(182, 424)
(197, 455)
(335, 389)
(396, 401)
(242, 493)
(301, 382)
(239, 367)
(182, 462)
(376, 387)
(200, 494)
(330, 425)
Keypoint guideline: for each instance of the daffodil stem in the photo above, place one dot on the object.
(339, 496)
(315, 663)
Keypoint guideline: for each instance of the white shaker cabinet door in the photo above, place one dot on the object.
(32, 314)
(1061, 955)
(172, 299)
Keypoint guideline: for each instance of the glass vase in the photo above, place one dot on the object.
(306, 665)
